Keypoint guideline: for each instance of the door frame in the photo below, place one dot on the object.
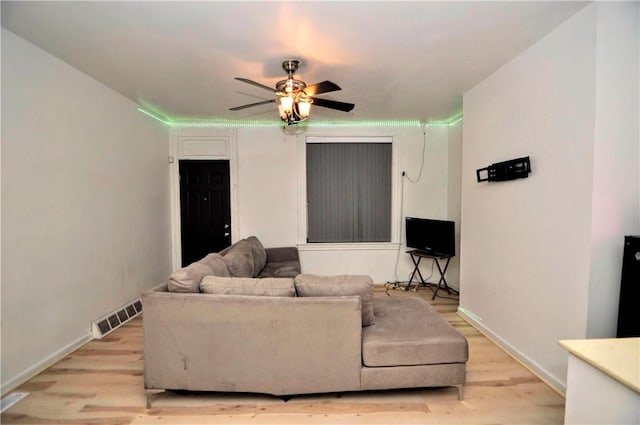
(204, 144)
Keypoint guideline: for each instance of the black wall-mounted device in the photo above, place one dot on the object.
(518, 168)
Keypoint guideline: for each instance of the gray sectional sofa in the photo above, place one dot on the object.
(294, 335)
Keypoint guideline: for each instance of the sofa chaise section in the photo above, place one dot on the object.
(411, 346)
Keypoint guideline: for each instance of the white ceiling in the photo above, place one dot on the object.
(394, 60)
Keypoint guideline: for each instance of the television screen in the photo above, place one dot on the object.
(435, 237)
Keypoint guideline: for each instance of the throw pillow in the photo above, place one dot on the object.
(217, 265)
(326, 286)
(239, 259)
(259, 254)
(269, 287)
(187, 279)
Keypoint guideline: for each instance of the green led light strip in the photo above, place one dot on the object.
(447, 122)
(155, 117)
(470, 314)
(201, 121)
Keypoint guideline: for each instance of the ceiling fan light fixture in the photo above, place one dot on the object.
(294, 98)
(290, 85)
(304, 108)
(286, 102)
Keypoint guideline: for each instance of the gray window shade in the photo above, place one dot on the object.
(348, 192)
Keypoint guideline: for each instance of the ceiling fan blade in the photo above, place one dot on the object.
(333, 104)
(253, 83)
(264, 102)
(323, 87)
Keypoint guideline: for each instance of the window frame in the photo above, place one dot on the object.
(302, 195)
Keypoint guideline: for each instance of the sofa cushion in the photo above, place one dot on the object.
(239, 259)
(282, 269)
(282, 254)
(217, 265)
(259, 254)
(408, 332)
(269, 287)
(187, 279)
(308, 285)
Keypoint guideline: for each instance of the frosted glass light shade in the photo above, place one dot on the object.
(283, 115)
(304, 107)
(286, 102)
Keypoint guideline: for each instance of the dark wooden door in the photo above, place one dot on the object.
(205, 208)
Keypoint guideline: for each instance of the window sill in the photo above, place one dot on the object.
(363, 246)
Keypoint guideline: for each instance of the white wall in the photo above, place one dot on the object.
(454, 198)
(267, 185)
(427, 197)
(616, 167)
(85, 206)
(270, 193)
(527, 253)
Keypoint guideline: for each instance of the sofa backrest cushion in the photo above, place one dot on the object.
(187, 279)
(259, 254)
(308, 285)
(239, 259)
(268, 287)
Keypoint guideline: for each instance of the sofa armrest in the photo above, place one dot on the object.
(282, 254)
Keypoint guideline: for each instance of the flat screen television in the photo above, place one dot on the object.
(435, 237)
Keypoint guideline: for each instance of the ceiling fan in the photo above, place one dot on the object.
(295, 97)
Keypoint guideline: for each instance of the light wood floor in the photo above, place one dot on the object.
(102, 383)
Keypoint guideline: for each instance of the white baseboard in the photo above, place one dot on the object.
(24, 376)
(12, 399)
(549, 379)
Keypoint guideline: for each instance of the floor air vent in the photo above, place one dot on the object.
(115, 319)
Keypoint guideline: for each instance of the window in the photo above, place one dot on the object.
(348, 190)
